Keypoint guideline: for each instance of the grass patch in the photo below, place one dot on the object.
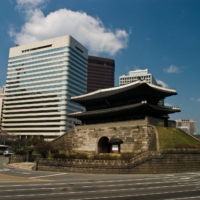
(172, 138)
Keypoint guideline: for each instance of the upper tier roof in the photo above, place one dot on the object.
(103, 93)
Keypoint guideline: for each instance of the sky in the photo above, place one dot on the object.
(162, 36)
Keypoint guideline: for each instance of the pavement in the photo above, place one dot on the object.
(22, 166)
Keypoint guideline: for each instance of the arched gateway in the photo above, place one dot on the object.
(103, 145)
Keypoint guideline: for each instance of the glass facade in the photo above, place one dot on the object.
(100, 73)
(39, 85)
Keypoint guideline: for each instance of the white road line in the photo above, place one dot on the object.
(47, 176)
(196, 197)
(185, 178)
(4, 170)
(29, 189)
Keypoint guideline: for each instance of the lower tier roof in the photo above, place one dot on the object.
(142, 108)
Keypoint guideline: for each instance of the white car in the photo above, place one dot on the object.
(8, 153)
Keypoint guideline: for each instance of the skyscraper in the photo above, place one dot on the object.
(100, 73)
(2, 95)
(41, 78)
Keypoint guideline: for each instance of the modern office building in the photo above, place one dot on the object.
(139, 74)
(2, 95)
(100, 73)
(187, 125)
(135, 75)
(41, 79)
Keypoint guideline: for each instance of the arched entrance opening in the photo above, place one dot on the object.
(103, 145)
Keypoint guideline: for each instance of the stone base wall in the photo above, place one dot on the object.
(176, 161)
(137, 136)
(146, 163)
(17, 159)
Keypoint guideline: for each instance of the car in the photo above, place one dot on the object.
(8, 153)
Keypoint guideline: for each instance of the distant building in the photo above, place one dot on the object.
(196, 133)
(187, 125)
(139, 74)
(101, 73)
(41, 79)
(135, 75)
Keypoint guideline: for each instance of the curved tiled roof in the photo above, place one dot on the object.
(164, 109)
(116, 90)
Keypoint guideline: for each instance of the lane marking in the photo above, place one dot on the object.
(4, 170)
(179, 198)
(47, 175)
(185, 178)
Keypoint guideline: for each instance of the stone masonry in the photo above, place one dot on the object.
(137, 136)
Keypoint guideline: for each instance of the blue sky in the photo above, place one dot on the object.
(160, 35)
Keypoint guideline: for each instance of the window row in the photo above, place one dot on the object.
(69, 94)
(81, 91)
(68, 110)
(46, 78)
(71, 67)
(35, 84)
(47, 51)
(47, 106)
(73, 80)
(70, 56)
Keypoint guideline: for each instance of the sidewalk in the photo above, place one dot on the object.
(22, 165)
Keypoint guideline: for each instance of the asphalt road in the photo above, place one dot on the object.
(22, 184)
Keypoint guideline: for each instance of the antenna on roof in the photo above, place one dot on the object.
(17, 45)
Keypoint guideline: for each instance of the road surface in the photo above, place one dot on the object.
(22, 184)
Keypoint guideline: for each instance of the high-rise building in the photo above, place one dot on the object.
(100, 73)
(139, 74)
(135, 75)
(41, 79)
(2, 95)
(187, 125)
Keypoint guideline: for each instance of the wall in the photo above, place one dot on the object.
(172, 123)
(136, 136)
(155, 121)
(146, 163)
(17, 159)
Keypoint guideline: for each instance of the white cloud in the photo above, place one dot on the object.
(172, 69)
(88, 30)
(161, 83)
(192, 99)
(29, 3)
(198, 99)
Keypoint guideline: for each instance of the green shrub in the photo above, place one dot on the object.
(105, 157)
(60, 155)
(81, 155)
(126, 156)
(20, 152)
